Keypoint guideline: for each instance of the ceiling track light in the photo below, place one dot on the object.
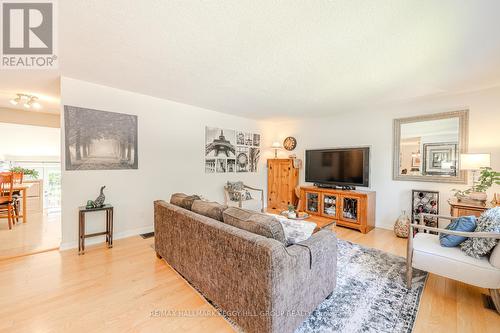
(26, 100)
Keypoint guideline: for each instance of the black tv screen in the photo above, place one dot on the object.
(344, 166)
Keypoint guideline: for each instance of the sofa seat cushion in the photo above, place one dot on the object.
(183, 200)
(213, 210)
(451, 262)
(255, 222)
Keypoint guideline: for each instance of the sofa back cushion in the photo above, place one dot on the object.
(257, 223)
(463, 223)
(213, 210)
(495, 256)
(183, 200)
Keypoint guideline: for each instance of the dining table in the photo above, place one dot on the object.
(23, 188)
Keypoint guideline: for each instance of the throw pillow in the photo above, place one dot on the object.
(295, 231)
(464, 223)
(235, 190)
(254, 222)
(495, 257)
(213, 210)
(183, 200)
(489, 221)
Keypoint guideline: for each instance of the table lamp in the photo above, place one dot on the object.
(474, 162)
(276, 146)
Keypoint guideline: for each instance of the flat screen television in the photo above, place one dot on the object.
(342, 166)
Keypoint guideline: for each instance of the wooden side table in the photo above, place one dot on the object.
(465, 208)
(81, 226)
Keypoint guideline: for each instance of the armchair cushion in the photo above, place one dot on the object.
(451, 262)
(495, 257)
(236, 190)
(489, 221)
(463, 223)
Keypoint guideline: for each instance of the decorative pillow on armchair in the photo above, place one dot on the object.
(463, 223)
(237, 189)
(489, 221)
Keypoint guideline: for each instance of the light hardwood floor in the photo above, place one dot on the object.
(115, 290)
(41, 232)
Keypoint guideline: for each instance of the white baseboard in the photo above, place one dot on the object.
(97, 240)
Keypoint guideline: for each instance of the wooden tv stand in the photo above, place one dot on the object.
(351, 209)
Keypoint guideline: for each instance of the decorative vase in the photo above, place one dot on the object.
(479, 196)
(402, 225)
(292, 215)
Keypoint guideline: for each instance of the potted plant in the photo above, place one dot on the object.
(291, 212)
(30, 173)
(477, 191)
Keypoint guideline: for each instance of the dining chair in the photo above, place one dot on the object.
(17, 178)
(6, 201)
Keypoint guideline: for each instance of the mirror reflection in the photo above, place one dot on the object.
(430, 148)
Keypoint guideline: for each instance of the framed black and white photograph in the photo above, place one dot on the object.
(256, 140)
(242, 159)
(240, 138)
(221, 165)
(425, 202)
(99, 140)
(248, 139)
(440, 159)
(210, 165)
(231, 165)
(228, 150)
(219, 142)
(254, 155)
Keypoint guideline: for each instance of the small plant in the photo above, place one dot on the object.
(487, 178)
(27, 172)
(291, 208)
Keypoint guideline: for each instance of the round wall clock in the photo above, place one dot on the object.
(290, 143)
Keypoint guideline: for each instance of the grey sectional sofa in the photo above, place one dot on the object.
(260, 284)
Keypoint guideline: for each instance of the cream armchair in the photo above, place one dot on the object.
(236, 193)
(426, 253)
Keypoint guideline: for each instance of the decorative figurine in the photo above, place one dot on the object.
(99, 201)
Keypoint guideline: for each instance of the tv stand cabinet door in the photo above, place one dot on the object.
(330, 205)
(312, 202)
(350, 209)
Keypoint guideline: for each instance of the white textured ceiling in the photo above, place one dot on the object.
(263, 59)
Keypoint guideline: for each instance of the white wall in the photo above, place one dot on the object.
(29, 143)
(171, 159)
(374, 128)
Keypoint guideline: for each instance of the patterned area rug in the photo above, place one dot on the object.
(370, 295)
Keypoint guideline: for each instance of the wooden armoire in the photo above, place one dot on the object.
(282, 179)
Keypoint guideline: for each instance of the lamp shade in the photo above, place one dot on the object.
(276, 145)
(474, 161)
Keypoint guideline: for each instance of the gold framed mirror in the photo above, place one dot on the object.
(428, 147)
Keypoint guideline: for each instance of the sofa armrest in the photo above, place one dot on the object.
(320, 245)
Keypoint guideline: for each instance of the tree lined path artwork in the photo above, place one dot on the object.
(99, 140)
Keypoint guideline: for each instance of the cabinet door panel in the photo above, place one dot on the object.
(350, 209)
(312, 204)
(329, 205)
